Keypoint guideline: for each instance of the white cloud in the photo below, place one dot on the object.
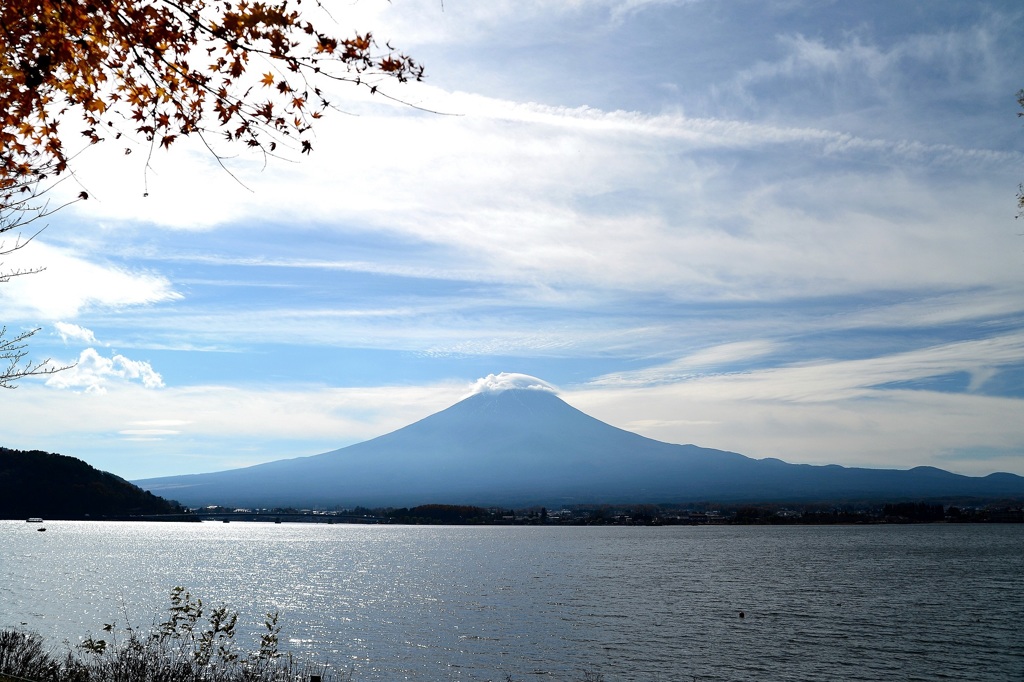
(572, 231)
(126, 428)
(161, 422)
(874, 428)
(828, 411)
(71, 284)
(940, 309)
(520, 193)
(824, 380)
(699, 362)
(623, 9)
(73, 332)
(94, 373)
(506, 381)
(865, 70)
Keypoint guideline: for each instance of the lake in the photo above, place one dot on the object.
(924, 602)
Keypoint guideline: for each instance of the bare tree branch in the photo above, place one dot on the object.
(14, 366)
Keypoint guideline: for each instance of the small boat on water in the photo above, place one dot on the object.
(33, 519)
(41, 530)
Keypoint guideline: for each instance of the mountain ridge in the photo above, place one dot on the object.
(527, 446)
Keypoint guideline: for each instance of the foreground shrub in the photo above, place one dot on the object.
(192, 645)
(22, 655)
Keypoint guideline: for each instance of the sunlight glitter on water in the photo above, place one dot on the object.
(474, 603)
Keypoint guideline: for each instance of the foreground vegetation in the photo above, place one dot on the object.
(194, 644)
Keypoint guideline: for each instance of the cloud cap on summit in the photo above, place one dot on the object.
(506, 381)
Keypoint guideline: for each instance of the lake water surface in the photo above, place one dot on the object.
(476, 603)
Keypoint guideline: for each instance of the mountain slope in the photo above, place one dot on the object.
(519, 446)
(52, 486)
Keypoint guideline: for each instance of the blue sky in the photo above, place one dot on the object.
(780, 228)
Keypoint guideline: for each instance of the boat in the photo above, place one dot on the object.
(33, 519)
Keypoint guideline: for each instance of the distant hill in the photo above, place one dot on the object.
(522, 446)
(52, 486)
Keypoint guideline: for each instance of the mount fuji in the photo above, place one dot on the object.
(517, 443)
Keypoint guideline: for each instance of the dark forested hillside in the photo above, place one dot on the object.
(51, 486)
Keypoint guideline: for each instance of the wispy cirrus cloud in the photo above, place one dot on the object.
(519, 193)
(875, 428)
(793, 236)
(828, 379)
(706, 360)
(863, 412)
(73, 282)
(841, 73)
